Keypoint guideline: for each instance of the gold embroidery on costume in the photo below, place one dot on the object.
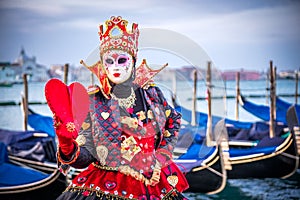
(85, 125)
(168, 112)
(70, 127)
(102, 153)
(141, 115)
(129, 148)
(150, 114)
(105, 167)
(173, 180)
(81, 140)
(131, 122)
(167, 133)
(125, 169)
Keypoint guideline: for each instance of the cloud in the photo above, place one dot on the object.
(200, 19)
(65, 7)
(231, 27)
(258, 25)
(39, 7)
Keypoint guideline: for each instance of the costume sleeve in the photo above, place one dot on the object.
(170, 133)
(81, 157)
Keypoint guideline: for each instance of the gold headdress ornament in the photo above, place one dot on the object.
(117, 37)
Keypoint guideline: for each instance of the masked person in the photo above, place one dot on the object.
(125, 143)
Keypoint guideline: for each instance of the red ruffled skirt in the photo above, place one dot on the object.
(96, 183)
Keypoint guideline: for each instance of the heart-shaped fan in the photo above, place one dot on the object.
(80, 103)
(68, 103)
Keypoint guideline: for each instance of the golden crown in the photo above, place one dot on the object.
(117, 37)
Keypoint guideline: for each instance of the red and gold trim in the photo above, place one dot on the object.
(72, 159)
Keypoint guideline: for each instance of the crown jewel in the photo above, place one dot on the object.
(116, 36)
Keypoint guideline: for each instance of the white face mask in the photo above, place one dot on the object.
(118, 65)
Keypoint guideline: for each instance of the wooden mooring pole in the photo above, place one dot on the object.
(25, 102)
(66, 72)
(194, 106)
(273, 100)
(267, 88)
(238, 93)
(209, 136)
(296, 86)
(92, 79)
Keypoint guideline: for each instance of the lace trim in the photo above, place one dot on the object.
(86, 191)
(128, 171)
(100, 194)
(105, 167)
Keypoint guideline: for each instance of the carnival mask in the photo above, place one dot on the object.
(118, 65)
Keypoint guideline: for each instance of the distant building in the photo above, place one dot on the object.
(288, 74)
(56, 71)
(29, 66)
(74, 73)
(182, 74)
(24, 64)
(244, 75)
(83, 74)
(7, 75)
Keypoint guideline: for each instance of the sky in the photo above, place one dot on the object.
(234, 34)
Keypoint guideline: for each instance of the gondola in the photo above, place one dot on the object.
(34, 149)
(201, 118)
(19, 182)
(294, 126)
(269, 158)
(205, 173)
(253, 154)
(281, 104)
(204, 166)
(262, 111)
(41, 122)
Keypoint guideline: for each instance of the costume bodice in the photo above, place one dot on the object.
(123, 137)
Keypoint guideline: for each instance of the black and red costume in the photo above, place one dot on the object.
(156, 139)
(122, 134)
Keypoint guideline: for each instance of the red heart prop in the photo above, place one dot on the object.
(80, 103)
(68, 103)
(58, 99)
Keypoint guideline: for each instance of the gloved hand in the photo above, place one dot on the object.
(66, 134)
(69, 105)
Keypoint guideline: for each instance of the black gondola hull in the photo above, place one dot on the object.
(282, 163)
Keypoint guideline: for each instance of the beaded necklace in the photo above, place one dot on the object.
(127, 102)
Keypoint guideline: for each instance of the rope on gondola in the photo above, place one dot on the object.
(215, 172)
(290, 156)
